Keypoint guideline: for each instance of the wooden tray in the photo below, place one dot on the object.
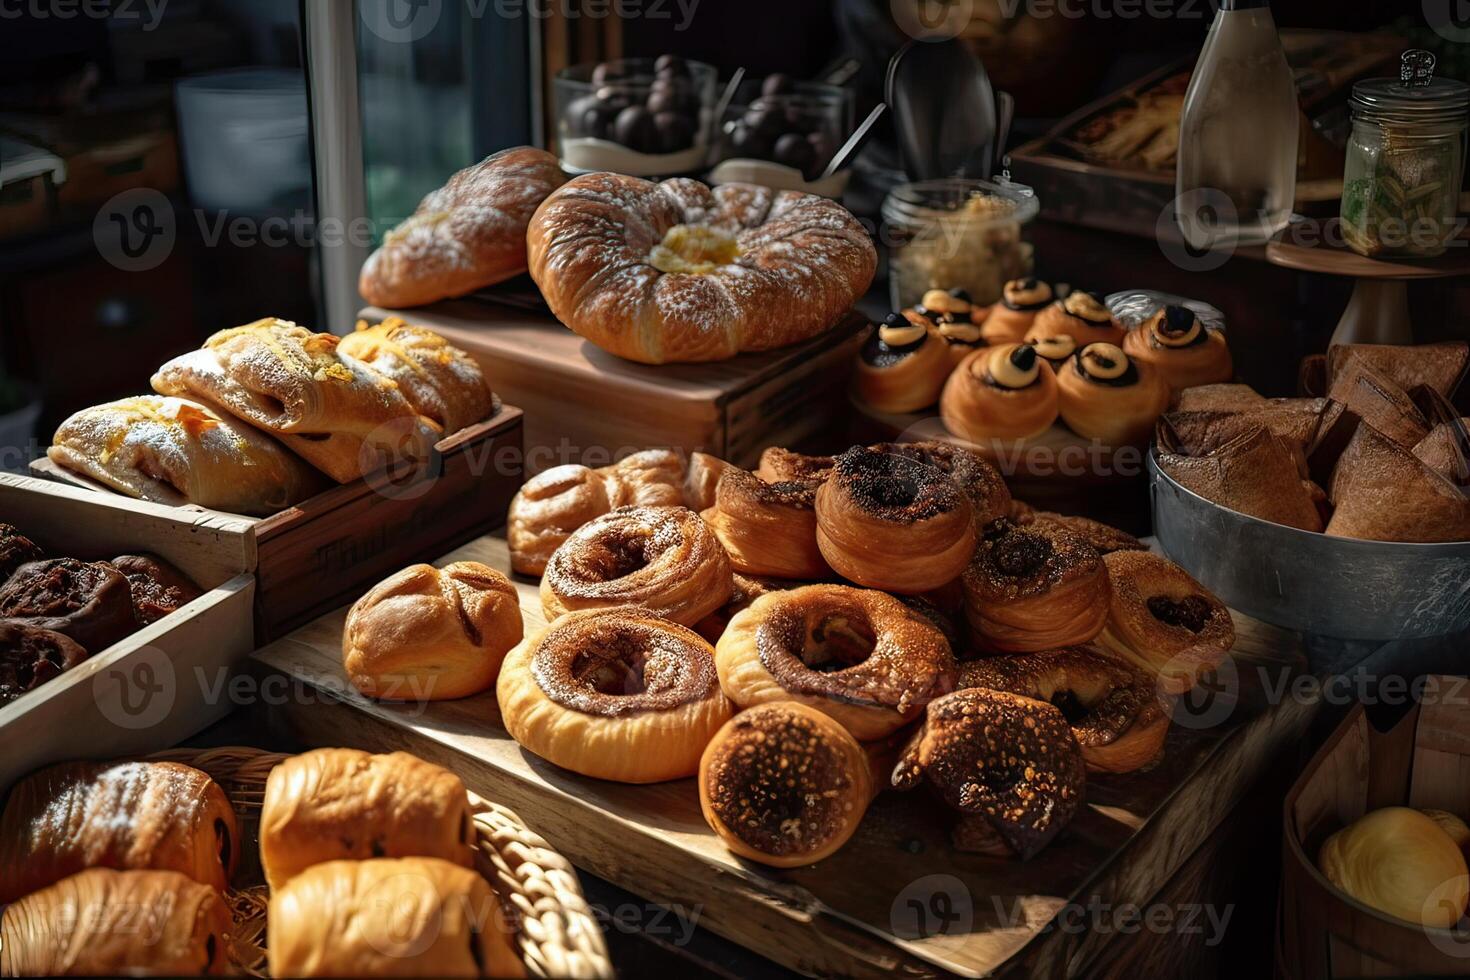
(326, 551)
(583, 405)
(163, 683)
(854, 913)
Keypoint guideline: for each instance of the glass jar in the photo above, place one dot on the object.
(635, 116)
(793, 123)
(1405, 163)
(956, 233)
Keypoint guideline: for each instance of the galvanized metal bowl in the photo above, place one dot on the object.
(1313, 583)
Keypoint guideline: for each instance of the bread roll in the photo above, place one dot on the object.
(1400, 862)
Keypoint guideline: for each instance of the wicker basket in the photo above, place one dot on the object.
(555, 930)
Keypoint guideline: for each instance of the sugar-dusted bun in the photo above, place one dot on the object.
(1034, 587)
(440, 381)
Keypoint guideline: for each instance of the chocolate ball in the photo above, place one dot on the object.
(747, 142)
(794, 151)
(581, 116)
(671, 65)
(605, 72)
(675, 131)
(634, 129)
(778, 84)
(767, 120)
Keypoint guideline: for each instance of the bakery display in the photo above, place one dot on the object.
(1402, 863)
(441, 382)
(700, 274)
(1180, 348)
(620, 694)
(1000, 393)
(89, 602)
(428, 634)
(903, 365)
(1162, 621)
(30, 656)
(464, 236)
(1081, 315)
(1011, 319)
(768, 529)
(1034, 587)
(1104, 394)
(157, 588)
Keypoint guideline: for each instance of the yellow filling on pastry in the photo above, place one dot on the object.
(1086, 306)
(1055, 348)
(1104, 361)
(693, 250)
(900, 336)
(1027, 292)
(1007, 373)
(1159, 327)
(966, 333)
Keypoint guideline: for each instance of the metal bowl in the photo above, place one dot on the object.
(1308, 582)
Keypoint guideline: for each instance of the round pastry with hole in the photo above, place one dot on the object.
(1038, 587)
(768, 529)
(1183, 351)
(1105, 395)
(1081, 315)
(1000, 394)
(1162, 621)
(618, 694)
(859, 655)
(980, 481)
(1115, 710)
(677, 271)
(1020, 301)
(893, 523)
(902, 365)
(663, 558)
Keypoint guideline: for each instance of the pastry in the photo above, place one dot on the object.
(157, 588)
(784, 785)
(158, 816)
(90, 602)
(1458, 830)
(954, 319)
(745, 589)
(1202, 433)
(1382, 492)
(859, 655)
(1446, 451)
(16, 550)
(1009, 765)
(1400, 862)
(1037, 587)
(440, 381)
(1442, 366)
(553, 504)
(977, 479)
(1056, 351)
(1255, 474)
(616, 694)
(677, 271)
(1081, 315)
(902, 366)
(177, 451)
(890, 522)
(1000, 393)
(389, 917)
(336, 413)
(1220, 398)
(702, 481)
(1104, 395)
(1114, 709)
(768, 528)
(1162, 621)
(102, 922)
(31, 656)
(777, 464)
(1011, 319)
(1359, 393)
(468, 234)
(1180, 348)
(1104, 538)
(663, 558)
(342, 804)
(430, 634)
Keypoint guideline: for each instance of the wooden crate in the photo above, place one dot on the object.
(166, 681)
(850, 915)
(1423, 761)
(583, 405)
(329, 549)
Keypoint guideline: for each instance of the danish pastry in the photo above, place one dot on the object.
(1037, 587)
(1104, 395)
(1000, 393)
(902, 366)
(31, 656)
(702, 481)
(1181, 349)
(1081, 315)
(768, 528)
(90, 602)
(1056, 350)
(157, 588)
(777, 465)
(980, 481)
(746, 589)
(955, 320)
(440, 381)
(1103, 537)
(1011, 319)
(1162, 621)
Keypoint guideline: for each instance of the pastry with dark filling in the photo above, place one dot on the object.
(31, 656)
(1020, 301)
(15, 550)
(1083, 316)
(90, 602)
(777, 465)
(955, 318)
(1057, 350)
(902, 366)
(1038, 587)
(1104, 395)
(1162, 621)
(768, 528)
(1181, 349)
(1000, 393)
(157, 587)
(1104, 537)
(974, 475)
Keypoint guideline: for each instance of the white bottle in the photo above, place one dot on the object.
(1236, 171)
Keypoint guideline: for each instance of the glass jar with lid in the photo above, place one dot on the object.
(1405, 163)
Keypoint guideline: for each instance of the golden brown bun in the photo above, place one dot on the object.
(1205, 358)
(429, 634)
(663, 558)
(702, 481)
(468, 234)
(765, 268)
(911, 383)
(1382, 492)
(331, 804)
(1255, 474)
(159, 816)
(1011, 319)
(980, 411)
(768, 528)
(1442, 366)
(859, 655)
(1062, 317)
(616, 694)
(1115, 414)
(779, 464)
(1037, 587)
(1400, 862)
(784, 785)
(389, 917)
(440, 381)
(976, 477)
(102, 922)
(745, 590)
(1104, 538)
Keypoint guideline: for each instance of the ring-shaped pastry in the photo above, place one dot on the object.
(990, 498)
(1038, 587)
(768, 528)
(1000, 393)
(1181, 348)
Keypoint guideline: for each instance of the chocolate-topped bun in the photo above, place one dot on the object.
(90, 602)
(778, 464)
(1009, 765)
(902, 366)
(1105, 395)
(1083, 316)
(15, 550)
(157, 587)
(955, 318)
(1163, 621)
(1056, 350)
(784, 785)
(1037, 587)
(31, 656)
(618, 694)
(1184, 351)
(1020, 301)
(893, 523)
(768, 528)
(859, 655)
(1000, 394)
(974, 475)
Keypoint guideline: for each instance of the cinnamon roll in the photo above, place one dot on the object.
(618, 694)
(1104, 395)
(1083, 316)
(1162, 621)
(1000, 393)
(893, 523)
(1038, 587)
(1056, 351)
(1020, 301)
(859, 655)
(956, 320)
(902, 366)
(768, 528)
(975, 476)
(1183, 351)
(664, 558)
(1008, 764)
(745, 590)
(1104, 537)
(777, 465)
(703, 478)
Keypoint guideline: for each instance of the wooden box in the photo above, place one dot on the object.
(166, 681)
(330, 549)
(583, 405)
(1423, 761)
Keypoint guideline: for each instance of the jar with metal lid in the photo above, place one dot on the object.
(1405, 162)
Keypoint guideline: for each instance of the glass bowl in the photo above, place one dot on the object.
(641, 116)
(780, 120)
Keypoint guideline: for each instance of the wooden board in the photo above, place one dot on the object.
(851, 914)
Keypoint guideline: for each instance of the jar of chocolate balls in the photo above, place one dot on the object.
(796, 125)
(647, 117)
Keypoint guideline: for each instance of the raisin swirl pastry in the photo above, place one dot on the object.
(90, 602)
(618, 694)
(768, 528)
(902, 366)
(990, 499)
(1038, 587)
(1020, 301)
(1105, 395)
(1000, 393)
(1183, 351)
(1083, 316)
(859, 655)
(1163, 621)
(955, 318)
(31, 656)
(16, 550)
